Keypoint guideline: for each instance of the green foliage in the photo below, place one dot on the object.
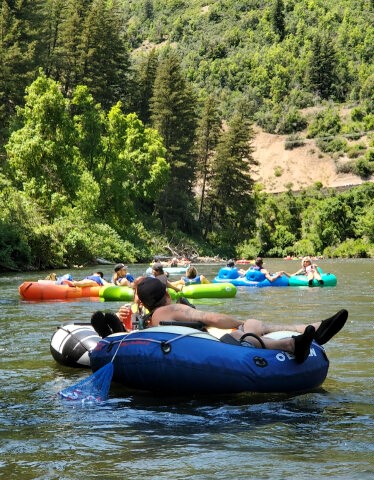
(248, 249)
(15, 252)
(280, 119)
(105, 56)
(173, 115)
(208, 130)
(278, 18)
(330, 145)
(363, 167)
(42, 149)
(356, 150)
(229, 201)
(326, 123)
(322, 71)
(350, 248)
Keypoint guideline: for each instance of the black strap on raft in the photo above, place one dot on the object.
(254, 336)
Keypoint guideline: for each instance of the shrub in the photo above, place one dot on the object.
(326, 123)
(346, 167)
(293, 141)
(369, 122)
(291, 121)
(303, 247)
(364, 168)
(338, 144)
(357, 114)
(355, 151)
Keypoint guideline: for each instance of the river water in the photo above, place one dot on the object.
(325, 433)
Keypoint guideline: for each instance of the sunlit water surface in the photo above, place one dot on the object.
(325, 434)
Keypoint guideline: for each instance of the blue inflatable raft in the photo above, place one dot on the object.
(252, 278)
(177, 359)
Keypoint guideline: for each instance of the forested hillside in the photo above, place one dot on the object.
(128, 128)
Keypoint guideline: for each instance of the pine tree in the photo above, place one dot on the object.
(207, 135)
(231, 205)
(173, 115)
(20, 24)
(277, 18)
(66, 59)
(105, 58)
(322, 66)
(145, 75)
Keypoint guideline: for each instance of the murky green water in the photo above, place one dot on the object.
(325, 434)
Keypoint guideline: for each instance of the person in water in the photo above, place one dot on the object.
(310, 270)
(153, 295)
(97, 278)
(191, 278)
(121, 277)
(259, 265)
(159, 273)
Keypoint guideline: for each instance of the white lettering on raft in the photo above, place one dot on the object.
(281, 357)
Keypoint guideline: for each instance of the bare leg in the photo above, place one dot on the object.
(299, 345)
(261, 328)
(317, 276)
(286, 344)
(325, 329)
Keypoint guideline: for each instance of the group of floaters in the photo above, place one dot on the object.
(190, 285)
(168, 348)
(121, 287)
(256, 275)
(168, 352)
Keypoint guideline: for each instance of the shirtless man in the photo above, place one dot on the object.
(153, 294)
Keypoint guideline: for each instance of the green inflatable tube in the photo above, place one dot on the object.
(116, 293)
(329, 280)
(205, 290)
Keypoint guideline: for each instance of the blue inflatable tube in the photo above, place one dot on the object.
(252, 278)
(174, 359)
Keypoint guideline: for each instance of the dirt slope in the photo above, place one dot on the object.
(301, 166)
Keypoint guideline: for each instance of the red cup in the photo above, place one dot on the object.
(126, 316)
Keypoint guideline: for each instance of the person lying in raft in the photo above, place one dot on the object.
(97, 278)
(191, 278)
(152, 294)
(310, 270)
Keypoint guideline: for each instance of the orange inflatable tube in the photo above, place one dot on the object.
(51, 291)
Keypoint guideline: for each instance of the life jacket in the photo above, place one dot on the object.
(191, 281)
(96, 278)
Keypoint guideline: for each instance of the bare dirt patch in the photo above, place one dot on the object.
(302, 167)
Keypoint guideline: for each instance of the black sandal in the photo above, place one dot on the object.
(302, 344)
(330, 327)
